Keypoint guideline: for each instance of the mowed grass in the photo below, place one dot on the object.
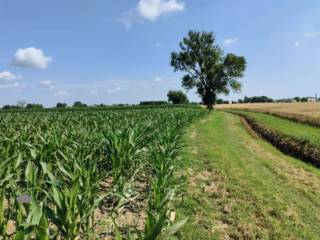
(240, 187)
(307, 109)
(287, 127)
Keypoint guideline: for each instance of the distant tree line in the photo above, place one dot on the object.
(301, 99)
(256, 99)
(153, 102)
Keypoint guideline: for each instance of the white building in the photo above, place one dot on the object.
(312, 99)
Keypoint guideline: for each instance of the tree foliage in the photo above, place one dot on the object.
(177, 97)
(257, 99)
(153, 103)
(61, 105)
(206, 67)
(34, 106)
(78, 104)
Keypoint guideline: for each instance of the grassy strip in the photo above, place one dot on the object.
(286, 127)
(240, 187)
(299, 118)
(301, 148)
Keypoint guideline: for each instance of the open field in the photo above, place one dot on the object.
(127, 174)
(240, 187)
(90, 174)
(307, 109)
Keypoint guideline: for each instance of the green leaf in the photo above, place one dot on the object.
(172, 230)
(43, 229)
(36, 213)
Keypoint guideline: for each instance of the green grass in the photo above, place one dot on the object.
(287, 127)
(240, 187)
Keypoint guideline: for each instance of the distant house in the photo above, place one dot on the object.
(311, 99)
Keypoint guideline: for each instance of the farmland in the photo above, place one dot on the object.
(155, 172)
(98, 174)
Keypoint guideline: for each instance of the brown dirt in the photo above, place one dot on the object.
(131, 215)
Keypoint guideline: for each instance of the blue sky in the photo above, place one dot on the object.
(103, 51)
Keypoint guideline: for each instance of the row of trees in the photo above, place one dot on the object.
(256, 99)
(175, 97)
(24, 105)
(301, 99)
(261, 99)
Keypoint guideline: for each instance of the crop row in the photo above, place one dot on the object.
(71, 175)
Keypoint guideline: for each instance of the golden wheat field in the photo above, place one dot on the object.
(306, 109)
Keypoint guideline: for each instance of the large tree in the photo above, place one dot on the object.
(206, 67)
(177, 97)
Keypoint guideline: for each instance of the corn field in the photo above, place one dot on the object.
(103, 174)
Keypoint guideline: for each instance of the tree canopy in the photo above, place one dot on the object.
(206, 67)
(61, 105)
(177, 97)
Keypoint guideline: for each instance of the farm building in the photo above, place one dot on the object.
(312, 99)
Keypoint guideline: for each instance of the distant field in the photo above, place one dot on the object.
(306, 109)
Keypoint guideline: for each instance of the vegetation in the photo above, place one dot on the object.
(294, 144)
(61, 105)
(153, 102)
(287, 127)
(221, 101)
(240, 187)
(206, 67)
(34, 106)
(300, 112)
(177, 97)
(256, 99)
(78, 174)
(79, 104)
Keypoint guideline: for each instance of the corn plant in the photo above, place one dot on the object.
(52, 164)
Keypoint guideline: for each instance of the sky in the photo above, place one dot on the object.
(103, 51)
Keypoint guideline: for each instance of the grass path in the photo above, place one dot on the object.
(240, 187)
(287, 127)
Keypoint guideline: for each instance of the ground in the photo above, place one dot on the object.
(240, 187)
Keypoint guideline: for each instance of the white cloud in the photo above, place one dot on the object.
(295, 44)
(9, 80)
(6, 76)
(311, 34)
(158, 79)
(31, 58)
(14, 85)
(47, 84)
(150, 10)
(153, 9)
(61, 93)
(114, 89)
(230, 41)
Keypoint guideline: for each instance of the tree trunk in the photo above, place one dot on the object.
(209, 99)
(210, 106)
